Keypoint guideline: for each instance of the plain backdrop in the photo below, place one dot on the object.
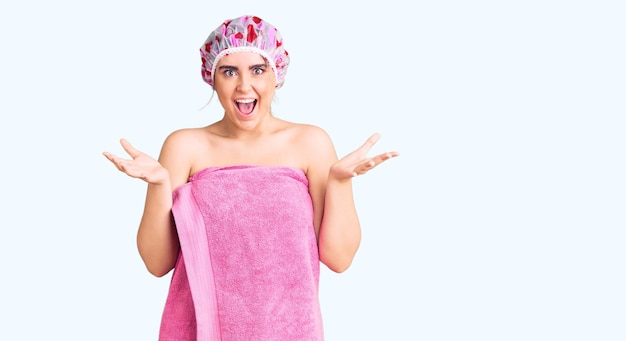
(503, 218)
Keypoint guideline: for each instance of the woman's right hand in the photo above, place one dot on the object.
(141, 166)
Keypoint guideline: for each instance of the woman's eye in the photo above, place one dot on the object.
(258, 71)
(229, 73)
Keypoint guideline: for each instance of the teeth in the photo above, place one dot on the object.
(244, 100)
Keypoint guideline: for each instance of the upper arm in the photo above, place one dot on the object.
(321, 155)
(176, 156)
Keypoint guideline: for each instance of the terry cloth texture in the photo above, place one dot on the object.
(249, 264)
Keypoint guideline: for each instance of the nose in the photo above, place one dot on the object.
(244, 82)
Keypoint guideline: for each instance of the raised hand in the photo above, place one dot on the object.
(141, 166)
(358, 163)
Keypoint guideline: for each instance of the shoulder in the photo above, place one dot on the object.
(315, 146)
(311, 136)
(177, 156)
(179, 141)
(183, 136)
(304, 137)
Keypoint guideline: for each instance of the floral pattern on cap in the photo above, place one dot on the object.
(244, 34)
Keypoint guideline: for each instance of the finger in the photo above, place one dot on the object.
(129, 148)
(111, 157)
(364, 167)
(378, 159)
(373, 162)
(387, 156)
(116, 161)
(371, 141)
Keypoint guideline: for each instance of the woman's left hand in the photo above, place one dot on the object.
(358, 163)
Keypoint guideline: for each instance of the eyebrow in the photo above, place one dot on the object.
(230, 67)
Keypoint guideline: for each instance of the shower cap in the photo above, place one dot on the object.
(244, 34)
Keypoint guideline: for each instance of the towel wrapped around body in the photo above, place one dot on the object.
(249, 264)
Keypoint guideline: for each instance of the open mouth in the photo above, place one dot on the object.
(246, 106)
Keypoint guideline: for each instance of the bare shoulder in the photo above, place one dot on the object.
(177, 156)
(178, 142)
(184, 135)
(315, 144)
(312, 136)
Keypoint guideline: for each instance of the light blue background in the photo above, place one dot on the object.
(503, 219)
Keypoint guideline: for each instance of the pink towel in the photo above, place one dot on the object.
(249, 265)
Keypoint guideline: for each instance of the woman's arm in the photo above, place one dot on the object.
(157, 240)
(330, 184)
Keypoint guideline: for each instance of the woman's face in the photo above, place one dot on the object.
(245, 84)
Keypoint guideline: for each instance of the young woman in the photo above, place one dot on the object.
(245, 208)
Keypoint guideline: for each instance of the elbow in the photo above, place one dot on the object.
(158, 271)
(336, 263)
(159, 266)
(338, 268)
(338, 257)
(159, 261)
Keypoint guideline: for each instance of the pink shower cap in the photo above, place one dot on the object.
(244, 34)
